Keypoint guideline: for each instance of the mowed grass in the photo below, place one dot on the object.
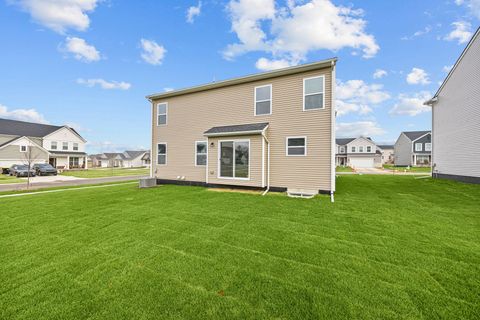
(411, 169)
(5, 178)
(343, 169)
(388, 248)
(107, 172)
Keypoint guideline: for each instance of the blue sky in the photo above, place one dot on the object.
(90, 63)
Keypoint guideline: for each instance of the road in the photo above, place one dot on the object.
(65, 183)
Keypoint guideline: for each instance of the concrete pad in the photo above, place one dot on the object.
(42, 179)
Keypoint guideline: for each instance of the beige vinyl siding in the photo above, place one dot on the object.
(191, 114)
(456, 119)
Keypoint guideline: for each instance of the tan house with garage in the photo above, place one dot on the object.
(272, 131)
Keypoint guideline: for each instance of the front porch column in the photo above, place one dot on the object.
(86, 162)
(414, 159)
(68, 163)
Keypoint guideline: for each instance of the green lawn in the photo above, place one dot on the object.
(109, 172)
(5, 178)
(411, 169)
(343, 169)
(390, 247)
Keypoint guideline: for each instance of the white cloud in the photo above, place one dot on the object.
(447, 69)
(81, 50)
(297, 29)
(359, 128)
(379, 73)
(418, 76)
(59, 15)
(153, 53)
(108, 85)
(418, 33)
(168, 89)
(461, 32)
(473, 6)
(356, 96)
(265, 64)
(193, 12)
(108, 146)
(411, 105)
(30, 115)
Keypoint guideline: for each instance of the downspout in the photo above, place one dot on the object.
(333, 144)
(151, 140)
(268, 163)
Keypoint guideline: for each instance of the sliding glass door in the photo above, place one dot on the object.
(234, 159)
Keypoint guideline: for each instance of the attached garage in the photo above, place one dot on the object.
(362, 162)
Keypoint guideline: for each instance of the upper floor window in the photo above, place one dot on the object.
(360, 149)
(162, 109)
(263, 100)
(53, 145)
(418, 147)
(65, 146)
(200, 153)
(354, 149)
(162, 153)
(75, 146)
(296, 146)
(428, 147)
(342, 149)
(313, 93)
(23, 148)
(369, 148)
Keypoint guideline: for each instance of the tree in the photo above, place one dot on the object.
(30, 156)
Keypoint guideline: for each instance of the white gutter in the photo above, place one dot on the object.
(151, 141)
(333, 138)
(268, 163)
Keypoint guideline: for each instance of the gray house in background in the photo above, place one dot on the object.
(126, 159)
(413, 148)
(456, 119)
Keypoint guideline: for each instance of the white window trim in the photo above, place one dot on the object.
(56, 145)
(342, 149)
(353, 148)
(166, 114)
(73, 147)
(323, 93)
(360, 149)
(23, 145)
(166, 154)
(420, 144)
(366, 148)
(196, 154)
(255, 100)
(295, 155)
(219, 155)
(63, 143)
(429, 144)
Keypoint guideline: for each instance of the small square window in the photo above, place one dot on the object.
(353, 149)
(418, 147)
(428, 147)
(296, 146)
(369, 148)
(23, 148)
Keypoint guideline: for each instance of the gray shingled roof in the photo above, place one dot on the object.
(344, 141)
(241, 128)
(78, 153)
(135, 153)
(29, 129)
(386, 146)
(414, 135)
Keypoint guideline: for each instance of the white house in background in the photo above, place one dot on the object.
(456, 119)
(126, 159)
(359, 152)
(61, 146)
(414, 149)
(388, 152)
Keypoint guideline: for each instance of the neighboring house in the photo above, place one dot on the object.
(413, 148)
(61, 146)
(146, 159)
(387, 151)
(273, 130)
(126, 159)
(456, 119)
(359, 152)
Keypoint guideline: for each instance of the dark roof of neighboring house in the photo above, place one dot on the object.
(414, 135)
(111, 155)
(29, 129)
(344, 141)
(241, 128)
(135, 153)
(146, 156)
(386, 146)
(77, 153)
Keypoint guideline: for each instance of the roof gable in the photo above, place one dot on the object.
(28, 129)
(414, 135)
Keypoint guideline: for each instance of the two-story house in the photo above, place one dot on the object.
(388, 152)
(359, 152)
(126, 159)
(61, 146)
(413, 148)
(271, 131)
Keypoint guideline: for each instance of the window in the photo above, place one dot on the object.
(296, 146)
(162, 153)
(313, 93)
(162, 114)
(369, 148)
(65, 146)
(342, 149)
(23, 148)
(75, 146)
(360, 149)
(74, 162)
(428, 147)
(353, 149)
(200, 153)
(234, 159)
(263, 100)
(418, 147)
(53, 145)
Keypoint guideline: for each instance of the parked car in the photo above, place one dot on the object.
(21, 171)
(44, 169)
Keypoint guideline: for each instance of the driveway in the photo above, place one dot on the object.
(372, 171)
(63, 182)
